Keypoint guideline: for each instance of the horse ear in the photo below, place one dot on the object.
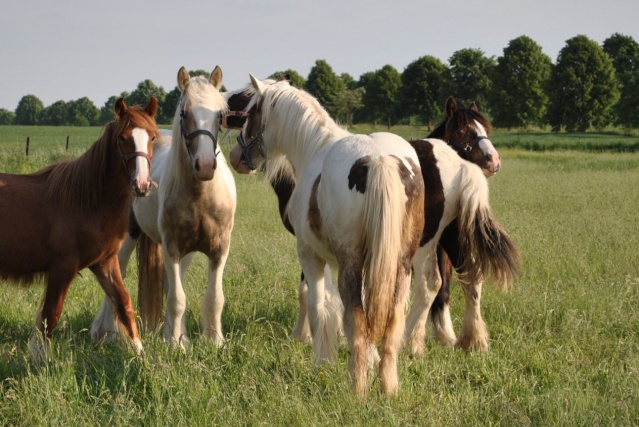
(120, 107)
(257, 84)
(152, 107)
(216, 78)
(473, 106)
(183, 78)
(451, 106)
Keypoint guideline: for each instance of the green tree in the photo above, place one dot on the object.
(348, 102)
(520, 81)
(28, 110)
(6, 117)
(348, 80)
(169, 105)
(627, 108)
(422, 93)
(54, 115)
(382, 94)
(583, 87)
(82, 112)
(624, 53)
(325, 85)
(470, 76)
(146, 89)
(107, 112)
(295, 78)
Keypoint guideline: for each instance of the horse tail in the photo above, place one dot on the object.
(384, 210)
(151, 278)
(485, 244)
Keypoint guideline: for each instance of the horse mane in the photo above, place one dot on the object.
(83, 182)
(462, 119)
(297, 118)
(198, 93)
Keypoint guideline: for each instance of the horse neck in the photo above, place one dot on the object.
(303, 136)
(439, 132)
(95, 180)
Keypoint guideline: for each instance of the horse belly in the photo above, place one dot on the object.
(24, 227)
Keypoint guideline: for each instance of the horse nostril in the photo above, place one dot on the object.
(197, 165)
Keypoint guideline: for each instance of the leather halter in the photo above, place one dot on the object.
(463, 148)
(257, 141)
(466, 148)
(189, 136)
(128, 157)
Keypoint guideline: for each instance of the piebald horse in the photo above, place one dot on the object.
(357, 206)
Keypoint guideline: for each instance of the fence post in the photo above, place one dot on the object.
(67, 142)
(28, 138)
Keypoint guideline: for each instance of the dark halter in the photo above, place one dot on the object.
(466, 148)
(128, 157)
(248, 146)
(189, 136)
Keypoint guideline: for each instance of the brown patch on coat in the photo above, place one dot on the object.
(359, 174)
(314, 218)
(434, 200)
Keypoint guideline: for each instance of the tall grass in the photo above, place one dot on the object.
(564, 341)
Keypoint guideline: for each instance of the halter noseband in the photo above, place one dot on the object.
(467, 147)
(189, 136)
(248, 146)
(128, 157)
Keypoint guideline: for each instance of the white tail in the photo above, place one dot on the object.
(384, 212)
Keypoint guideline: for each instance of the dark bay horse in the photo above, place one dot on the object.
(73, 215)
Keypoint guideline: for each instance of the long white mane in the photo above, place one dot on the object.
(296, 123)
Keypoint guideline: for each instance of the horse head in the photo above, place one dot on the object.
(248, 153)
(201, 108)
(466, 131)
(136, 132)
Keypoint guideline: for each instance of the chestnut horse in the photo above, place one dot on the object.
(192, 211)
(357, 206)
(73, 215)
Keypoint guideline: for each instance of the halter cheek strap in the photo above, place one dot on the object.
(127, 157)
(248, 146)
(188, 136)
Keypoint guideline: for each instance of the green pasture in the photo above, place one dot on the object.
(564, 348)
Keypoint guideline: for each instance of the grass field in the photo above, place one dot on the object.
(564, 341)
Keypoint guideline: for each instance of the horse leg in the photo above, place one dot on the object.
(449, 256)
(322, 320)
(175, 324)
(350, 280)
(108, 274)
(392, 340)
(58, 284)
(213, 301)
(440, 309)
(427, 284)
(302, 329)
(104, 325)
(473, 335)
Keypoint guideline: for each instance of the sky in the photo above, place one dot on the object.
(68, 49)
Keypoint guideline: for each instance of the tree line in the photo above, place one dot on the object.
(589, 86)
